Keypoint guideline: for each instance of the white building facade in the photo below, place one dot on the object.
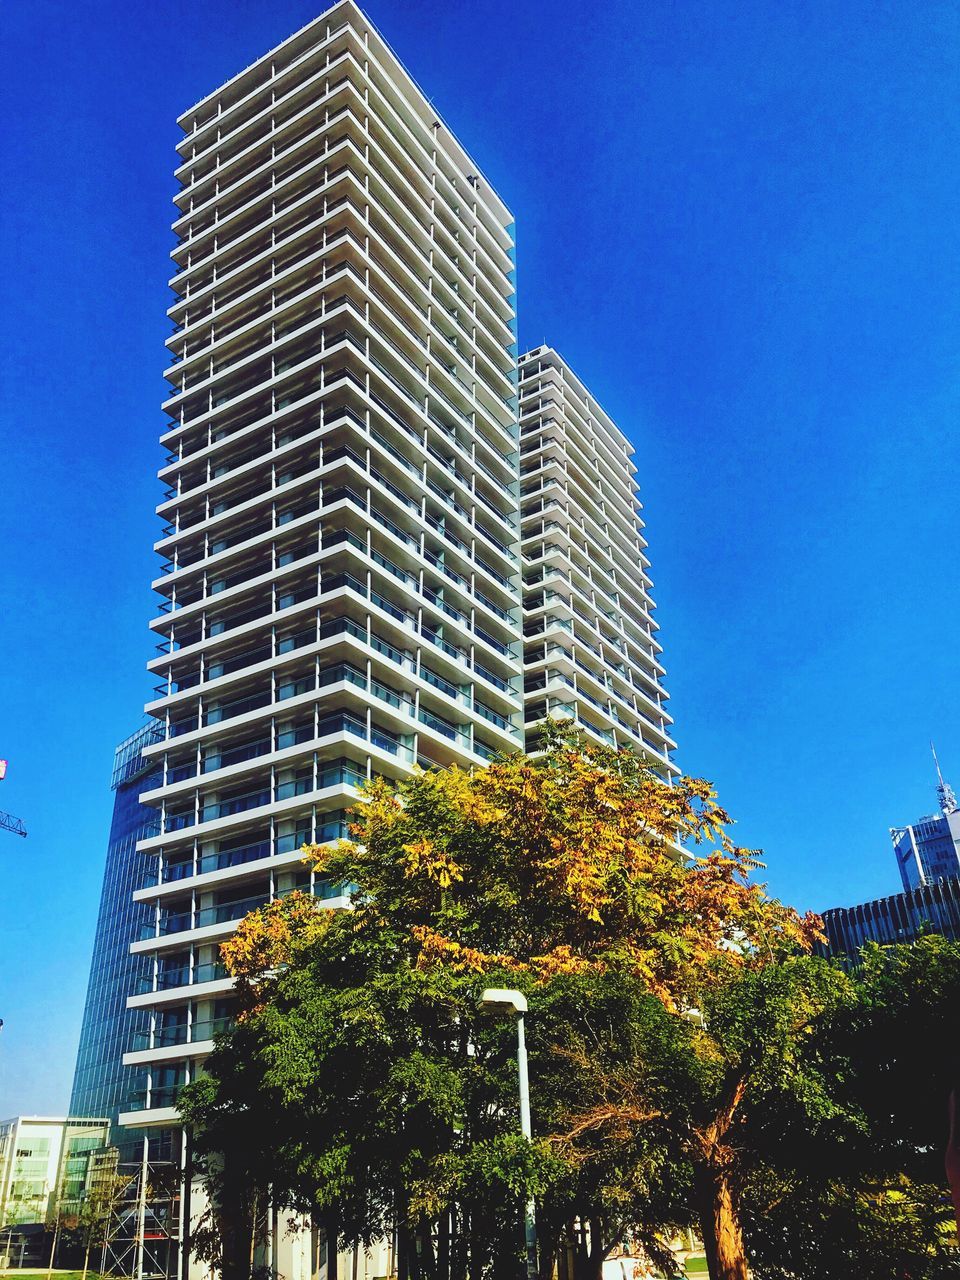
(342, 587)
(590, 647)
(340, 548)
(44, 1166)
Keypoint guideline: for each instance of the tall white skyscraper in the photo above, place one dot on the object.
(341, 543)
(591, 652)
(340, 574)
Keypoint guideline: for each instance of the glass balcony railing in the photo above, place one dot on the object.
(224, 912)
(235, 857)
(489, 714)
(142, 1099)
(170, 922)
(166, 979)
(214, 971)
(164, 1037)
(182, 975)
(235, 804)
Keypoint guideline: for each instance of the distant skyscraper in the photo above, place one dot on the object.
(928, 858)
(590, 647)
(929, 849)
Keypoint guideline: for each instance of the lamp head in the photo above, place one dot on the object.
(503, 1000)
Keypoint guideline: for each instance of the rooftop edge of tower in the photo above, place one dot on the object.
(355, 16)
(546, 352)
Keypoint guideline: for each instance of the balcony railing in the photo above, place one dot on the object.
(168, 979)
(164, 1037)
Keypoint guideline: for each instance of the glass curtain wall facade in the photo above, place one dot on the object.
(100, 1083)
(590, 647)
(928, 850)
(339, 583)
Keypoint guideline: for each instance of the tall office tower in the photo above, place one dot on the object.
(929, 849)
(340, 573)
(100, 1082)
(590, 648)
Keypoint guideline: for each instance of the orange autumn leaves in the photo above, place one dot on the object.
(559, 863)
(266, 937)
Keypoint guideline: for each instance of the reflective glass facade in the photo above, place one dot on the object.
(45, 1161)
(101, 1084)
(928, 850)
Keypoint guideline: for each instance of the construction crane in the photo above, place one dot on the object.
(7, 821)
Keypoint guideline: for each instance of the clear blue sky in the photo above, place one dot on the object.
(741, 225)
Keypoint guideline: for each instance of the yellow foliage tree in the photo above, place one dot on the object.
(578, 860)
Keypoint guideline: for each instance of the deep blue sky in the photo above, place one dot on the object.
(741, 225)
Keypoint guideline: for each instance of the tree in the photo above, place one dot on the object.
(85, 1223)
(906, 1053)
(832, 1225)
(729, 1089)
(384, 1098)
(231, 1156)
(859, 1184)
(353, 1084)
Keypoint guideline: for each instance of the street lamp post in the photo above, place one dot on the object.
(500, 1000)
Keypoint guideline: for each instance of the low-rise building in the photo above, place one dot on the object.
(899, 917)
(45, 1165)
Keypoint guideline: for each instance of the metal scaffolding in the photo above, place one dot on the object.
(142, 1235)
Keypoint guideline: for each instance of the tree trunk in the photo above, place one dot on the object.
(600, 1232)
(589, 1257)
(425, 1255)
(460, 1229)
(443, 1246)
(952, 1156)
(720, 1224)
(254, 1212)
(579, 1253)
(587, 1267)
(404, 1269)
(565, 1257)
(547, 1242)
(235, 1228)
(333, 1243)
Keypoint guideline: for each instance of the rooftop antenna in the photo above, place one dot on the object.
(948, 800)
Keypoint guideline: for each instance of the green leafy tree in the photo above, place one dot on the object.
(371, 1093)
(383, 1098)
(831, 1225)
(727, 1088)
(860, 1184)
(906, 1050)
